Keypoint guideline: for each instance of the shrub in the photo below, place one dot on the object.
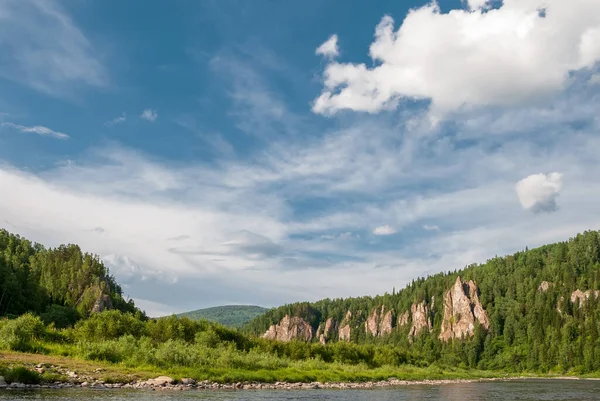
(60, 316)
(109, 325)
(20, 333)
(22, 375)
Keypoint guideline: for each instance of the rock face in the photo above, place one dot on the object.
(324, 333)
(544, 286)
(581, 296)
(461, 309)
(290, 328)
(420, 319)
(102, 303)
(386, 323)
(379, 322)
(403, 319)
(344, 331)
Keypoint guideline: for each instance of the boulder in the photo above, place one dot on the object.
(160, 381)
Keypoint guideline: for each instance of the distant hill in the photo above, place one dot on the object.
(228, 315)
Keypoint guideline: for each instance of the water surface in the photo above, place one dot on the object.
(522, 390)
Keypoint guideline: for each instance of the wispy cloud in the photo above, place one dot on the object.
(149, 115)
(118, 120)
(37, 129)
(43, 48)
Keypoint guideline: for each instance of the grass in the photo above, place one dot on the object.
(302, 371)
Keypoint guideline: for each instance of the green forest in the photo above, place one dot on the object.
(228, 315)
(64, 302)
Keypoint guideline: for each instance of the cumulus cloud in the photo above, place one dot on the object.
(329, 48)
(37, 129)
(117, 120)
(538, 192)
(384, 230)
(468, 58)
(149, 115)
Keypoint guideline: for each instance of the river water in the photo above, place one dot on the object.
(523, 390)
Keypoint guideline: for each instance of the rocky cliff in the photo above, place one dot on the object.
(379, 322)
(462, 309)
(403, 319)
(325, 332)
(420, 319)
(290, 328)
(344, 331)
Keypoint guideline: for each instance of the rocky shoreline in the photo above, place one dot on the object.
(169, 384)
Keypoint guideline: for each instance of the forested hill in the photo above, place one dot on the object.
(234, 316)
(61, 284)
(536, 309)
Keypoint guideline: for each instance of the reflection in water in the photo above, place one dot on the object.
(524, 390)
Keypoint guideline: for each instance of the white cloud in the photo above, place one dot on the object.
(150, 115)
(43, 48)
(329, 48)
(384, 230)
(595, 79)
(428, 227)
(477, 4)
(538, 192)
(504, 56)
(117, 120)
(37, 129)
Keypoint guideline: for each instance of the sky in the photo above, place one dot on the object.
(260, 152)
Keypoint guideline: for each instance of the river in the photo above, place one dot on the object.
(521, 390)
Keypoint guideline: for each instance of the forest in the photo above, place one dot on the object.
(65, 302)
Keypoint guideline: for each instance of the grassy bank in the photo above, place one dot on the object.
(306, 371)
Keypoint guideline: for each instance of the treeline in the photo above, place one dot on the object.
(62, 285)
(531, 328)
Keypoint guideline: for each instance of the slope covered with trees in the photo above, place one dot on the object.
(542, 310)
(229, 315)
(61, 284)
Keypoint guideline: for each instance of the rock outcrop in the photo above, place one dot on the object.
(102, 303)
(324, 333)
(461, 310)
(290, 328)
(403, 319)
(386, 323)
(344, 331)
(582, 296)
(379, 322)
(420, 319)
(544, 286)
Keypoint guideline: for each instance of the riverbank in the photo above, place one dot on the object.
(165, 383)
(52, 371)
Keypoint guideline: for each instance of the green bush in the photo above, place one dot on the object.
(60, 316)
(109, 325)
(22, 375)
(20, 333)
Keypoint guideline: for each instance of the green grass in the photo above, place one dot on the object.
(230, 315)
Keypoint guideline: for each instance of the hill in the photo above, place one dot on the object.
(228, 315)
(61, 285)
(534, 310)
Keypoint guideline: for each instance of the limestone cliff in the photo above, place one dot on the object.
(290, 328)
(403, 319)
(461, 310)
(420, 319)
(344, 331)
(379, 322)
(544, 286)
(326, 331)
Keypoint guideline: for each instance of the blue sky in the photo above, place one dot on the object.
(266, 152)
